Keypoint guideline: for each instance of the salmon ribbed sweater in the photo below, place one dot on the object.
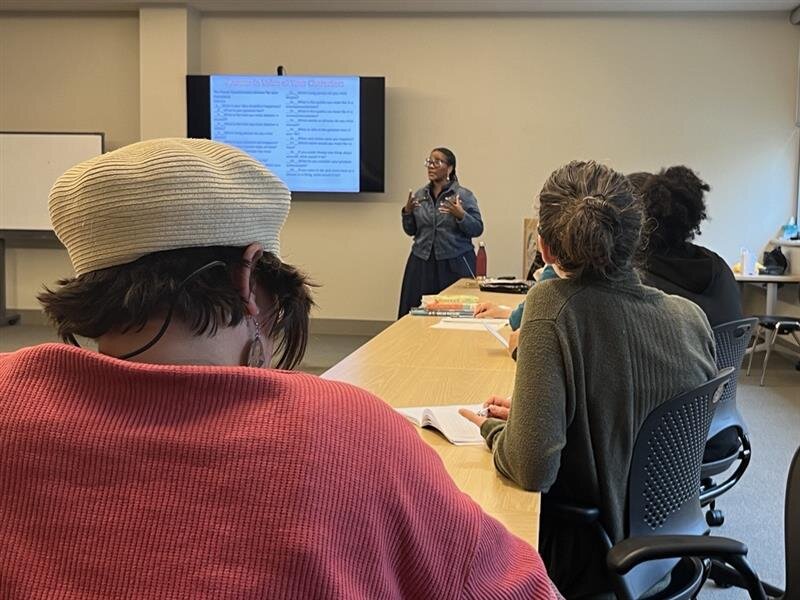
(125, 480)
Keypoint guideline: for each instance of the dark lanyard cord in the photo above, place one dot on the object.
(168, 318)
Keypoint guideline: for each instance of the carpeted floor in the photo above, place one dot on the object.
(753, 509)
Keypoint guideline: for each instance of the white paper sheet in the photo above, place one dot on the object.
(469, 324)
(497, 335)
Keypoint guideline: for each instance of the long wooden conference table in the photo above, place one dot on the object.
(410, 364)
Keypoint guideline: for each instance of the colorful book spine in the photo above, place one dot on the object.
(449, 306)
(421, 312)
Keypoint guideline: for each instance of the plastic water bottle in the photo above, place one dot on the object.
(747, 262)
(790, 229)
(480, 262)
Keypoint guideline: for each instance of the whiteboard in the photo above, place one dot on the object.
(29, 165)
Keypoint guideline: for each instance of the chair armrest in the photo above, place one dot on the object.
(633, 551)
(574, 513)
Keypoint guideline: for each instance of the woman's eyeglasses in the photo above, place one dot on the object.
(434, 162)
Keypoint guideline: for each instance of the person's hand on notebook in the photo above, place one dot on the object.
(496, 407)
(490, 310)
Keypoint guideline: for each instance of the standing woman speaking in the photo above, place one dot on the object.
(442, 217)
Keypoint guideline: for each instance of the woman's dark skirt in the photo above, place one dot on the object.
(431, 276)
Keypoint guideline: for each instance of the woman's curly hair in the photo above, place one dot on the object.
(674, 203)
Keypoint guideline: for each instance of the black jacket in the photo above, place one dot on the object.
(699, 275)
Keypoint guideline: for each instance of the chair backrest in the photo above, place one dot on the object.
(731, 340)
(664, 480)
(792, 526)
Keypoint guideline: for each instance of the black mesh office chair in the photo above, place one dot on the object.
(663, 498)
(632, 552)
(728, 439)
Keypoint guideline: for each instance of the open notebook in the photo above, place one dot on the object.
(446, 419)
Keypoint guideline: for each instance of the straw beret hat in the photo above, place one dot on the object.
(165, 194)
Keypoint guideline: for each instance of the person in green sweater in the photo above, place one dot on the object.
(598, 351)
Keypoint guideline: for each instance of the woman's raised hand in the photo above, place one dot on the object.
(452, 206)
(411, 203)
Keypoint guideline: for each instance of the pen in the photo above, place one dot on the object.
(484, 411)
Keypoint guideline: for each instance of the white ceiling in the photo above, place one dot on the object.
(407, 6)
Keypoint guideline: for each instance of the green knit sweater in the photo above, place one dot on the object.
(594, 359)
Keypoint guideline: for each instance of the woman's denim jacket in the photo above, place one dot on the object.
(440, 231)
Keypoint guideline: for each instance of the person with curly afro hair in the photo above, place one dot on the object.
(675, 206)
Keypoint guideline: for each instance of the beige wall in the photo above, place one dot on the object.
(169, 49)
(65, 73)
(516, 97)
(71, 73)
(513, 96)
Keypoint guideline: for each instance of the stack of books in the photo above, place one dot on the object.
(446, 306)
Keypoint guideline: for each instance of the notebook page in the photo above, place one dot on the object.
(457, 429)
(414, 413)
(469, 324)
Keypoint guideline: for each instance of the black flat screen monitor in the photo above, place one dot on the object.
(317, 133)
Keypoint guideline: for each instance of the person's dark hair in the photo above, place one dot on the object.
(451, 160)
(125, 297)
(675, 204)
(639, 180)
(591, 220)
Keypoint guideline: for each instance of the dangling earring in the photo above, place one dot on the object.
(256, 357)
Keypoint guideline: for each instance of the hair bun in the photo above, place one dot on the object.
(592, 230)
(605, 213)
(597, 201)
(590, 219)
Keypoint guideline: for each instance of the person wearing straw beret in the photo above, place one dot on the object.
(173, 461)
